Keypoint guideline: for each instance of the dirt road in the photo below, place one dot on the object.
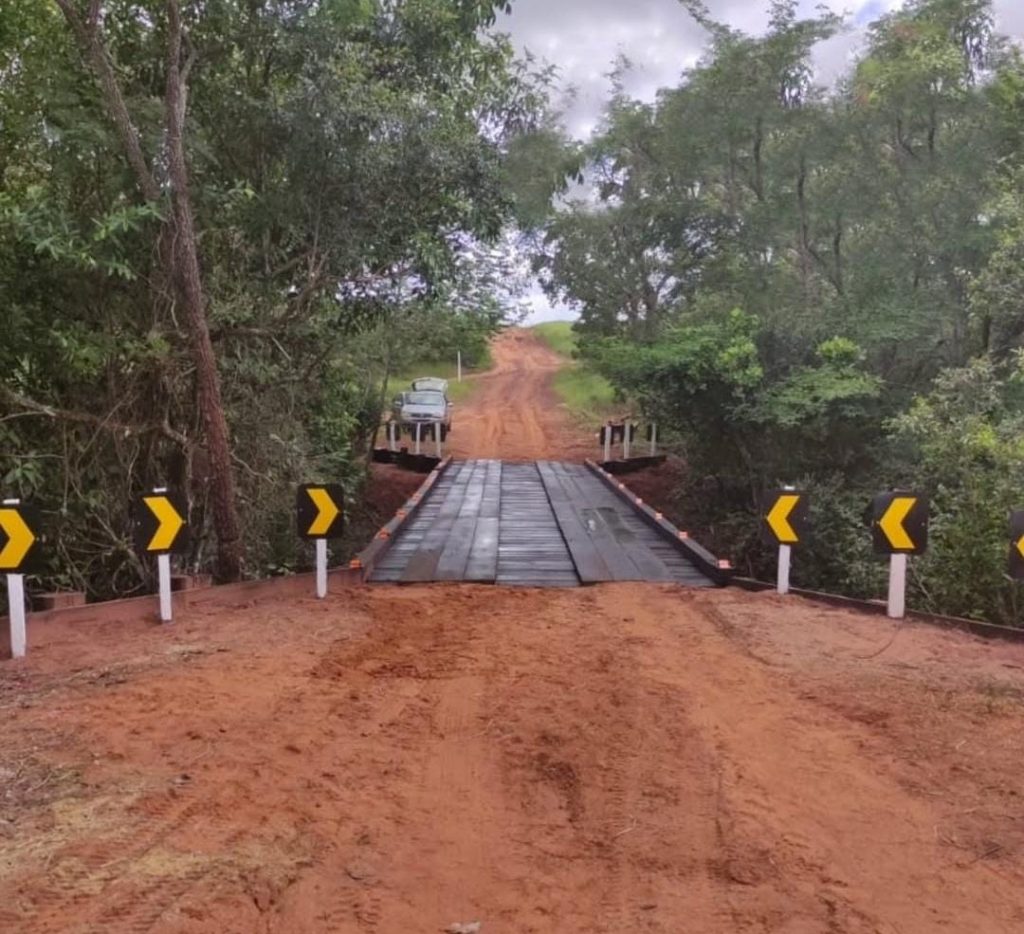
(624, 758)
(628, 758)
(514, 413)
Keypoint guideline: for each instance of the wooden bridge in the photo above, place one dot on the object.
(542, 524)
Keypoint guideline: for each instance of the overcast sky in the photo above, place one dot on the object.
(583, 38)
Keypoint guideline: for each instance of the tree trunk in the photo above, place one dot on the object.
(177, 250)
(189, 287)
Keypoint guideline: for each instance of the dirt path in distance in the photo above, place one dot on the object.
(514, 414)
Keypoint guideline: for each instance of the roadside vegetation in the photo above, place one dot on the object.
(820, 287)
(558, 335)
(224, 228)
(589, 396)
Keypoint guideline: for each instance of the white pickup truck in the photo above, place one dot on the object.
(423, 406)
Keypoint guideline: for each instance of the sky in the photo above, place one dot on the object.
(583, 39)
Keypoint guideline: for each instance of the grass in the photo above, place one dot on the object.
(588, 395)
(558, 335)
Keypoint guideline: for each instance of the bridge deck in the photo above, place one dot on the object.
(544, 524)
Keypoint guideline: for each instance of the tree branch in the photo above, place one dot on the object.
(32, 407)
(90, 38)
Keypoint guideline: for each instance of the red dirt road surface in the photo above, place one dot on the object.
(622, 758)
(514, 413)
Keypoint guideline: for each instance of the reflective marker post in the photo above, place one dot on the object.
(897, 586)
(319, 516)
(419, 426)
(786, 525)
(785, 556)
(321, 568)
(16, 604)
(459, 358)
(607, 432)
(626, 426)
(163, 569)
(160, 529)
(899, 520)
(654, 439)
(19, 536)
(438, 432)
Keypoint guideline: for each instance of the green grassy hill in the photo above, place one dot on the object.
(588, 395)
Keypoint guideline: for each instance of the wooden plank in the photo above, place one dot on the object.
(482, 565)
(637, 540)
(612, 556)
(422, 566)
(451, 564)
(590, 565)
(531, 547)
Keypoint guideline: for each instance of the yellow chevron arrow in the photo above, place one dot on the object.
(891, 522)
(778, 519)
(328, 511)
(1020, 546)
(19, 539)
(170, 521)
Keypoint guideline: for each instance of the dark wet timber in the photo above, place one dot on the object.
(545, 525)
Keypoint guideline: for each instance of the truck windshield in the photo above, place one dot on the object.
(424, 398)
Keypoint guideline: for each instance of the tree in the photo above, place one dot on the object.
(340, 160)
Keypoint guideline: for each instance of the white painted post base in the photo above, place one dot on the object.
(321, 568)
(418, 432)
(459, 358)
(654, 440)
(392, 443)
(607, 443)
(16, 605)
(785, 553)
(625, 441)
(897, 586)
(163, 566)
(438, 431)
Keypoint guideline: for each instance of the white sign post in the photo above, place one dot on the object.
(321, 568)
(459, 364)
(897, 586)
(785, 552)
(163, 566)
(654, 439)
(16, 604)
